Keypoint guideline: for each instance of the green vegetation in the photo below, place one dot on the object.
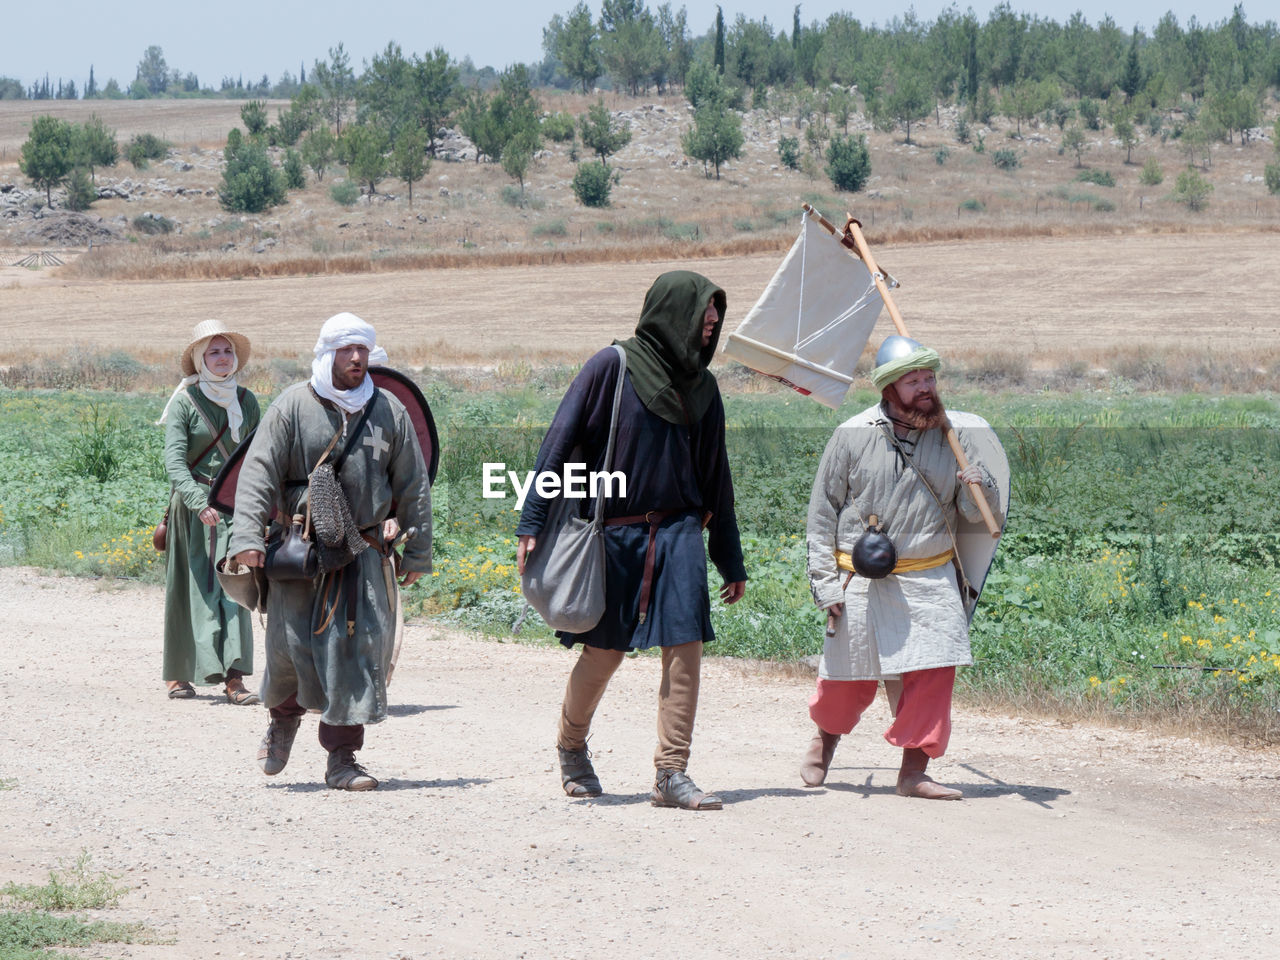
(848, 163)
(592, 183)
(1101, 178)
(49, 154)
(345, 193)
(27, 933)
(1137, 570)
(1192, 189)
(1006, 158)
(1152, 173)
(789, 152)
(250, 182)
(600, 134)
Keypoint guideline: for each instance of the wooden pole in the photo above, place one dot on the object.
(852, 238)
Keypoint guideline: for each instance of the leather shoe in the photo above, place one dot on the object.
(577, 775)
(273, 751)
(817, 759)
(343, 773)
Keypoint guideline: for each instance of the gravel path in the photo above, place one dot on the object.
(1073, 842)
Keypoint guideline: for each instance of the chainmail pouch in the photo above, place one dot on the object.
(337, 537)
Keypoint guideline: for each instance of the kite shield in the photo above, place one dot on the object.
(975, 547)
(222, 493)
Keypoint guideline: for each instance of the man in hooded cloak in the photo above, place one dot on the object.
(670, 446)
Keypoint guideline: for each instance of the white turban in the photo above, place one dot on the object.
(339, 331)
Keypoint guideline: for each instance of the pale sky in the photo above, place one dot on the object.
(235, 37)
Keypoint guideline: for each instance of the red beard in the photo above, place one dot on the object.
(922, 413)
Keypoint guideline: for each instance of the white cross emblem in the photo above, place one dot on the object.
(375, 442)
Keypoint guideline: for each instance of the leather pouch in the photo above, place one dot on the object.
(291, 555)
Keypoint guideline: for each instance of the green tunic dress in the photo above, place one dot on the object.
(310, 651)
(205, 632)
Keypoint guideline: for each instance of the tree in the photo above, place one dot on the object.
(250, 184)
(592, 183)
(1127, 134)
(717, 57)
(716, 135)
(48, 154)
(517, 155)
(909, 98)
(80, 190)
(574, 41)
(11, 89)
(295, 171)
(153, 71)
(1074, 142)
(337, 84)
(599, 134)
(91, 91)
(437, 93)
(1152, 173)
(1192, 189)
(676, 47)
(318, 151)
(849, 163)
(96, 145)
(364, 150)
(1131, 80)
(254, 117)
(629, 44)
(409, 160)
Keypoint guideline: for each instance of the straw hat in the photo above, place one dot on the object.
(206, 330)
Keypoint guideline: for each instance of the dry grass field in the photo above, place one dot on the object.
(465, 276)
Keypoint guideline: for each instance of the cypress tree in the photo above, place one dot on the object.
(719, 48)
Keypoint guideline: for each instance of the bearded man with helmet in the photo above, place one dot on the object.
(886, 547)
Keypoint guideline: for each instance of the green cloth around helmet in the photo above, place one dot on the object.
(666, 359)
(922, 358)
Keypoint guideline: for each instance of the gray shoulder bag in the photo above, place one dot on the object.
(564, 575)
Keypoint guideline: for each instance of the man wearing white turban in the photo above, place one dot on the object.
(330, 637)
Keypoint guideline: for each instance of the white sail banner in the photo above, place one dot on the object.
(810, 325)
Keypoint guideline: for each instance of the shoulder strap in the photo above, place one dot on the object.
(355, 434)
(955, 547)
(217, 438)
(613, 430)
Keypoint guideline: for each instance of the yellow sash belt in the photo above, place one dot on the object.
(845, 562)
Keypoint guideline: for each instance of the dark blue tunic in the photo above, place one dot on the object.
(668, 467)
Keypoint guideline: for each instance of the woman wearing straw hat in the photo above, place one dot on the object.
(208, 638)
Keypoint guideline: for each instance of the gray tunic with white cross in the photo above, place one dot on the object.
(343, 676)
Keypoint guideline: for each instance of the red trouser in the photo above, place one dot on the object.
(331, 737)
(923, 717)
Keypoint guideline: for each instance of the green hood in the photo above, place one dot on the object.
(666, 358)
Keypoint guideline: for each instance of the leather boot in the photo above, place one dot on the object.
(914, 782)
(817, 759)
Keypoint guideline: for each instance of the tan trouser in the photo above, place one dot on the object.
(677, 700)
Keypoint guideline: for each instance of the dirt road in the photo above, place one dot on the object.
(1049, 298)
(1072, 842)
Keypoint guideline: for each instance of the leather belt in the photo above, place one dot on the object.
(654, 519)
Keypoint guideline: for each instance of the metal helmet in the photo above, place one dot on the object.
(895, 348)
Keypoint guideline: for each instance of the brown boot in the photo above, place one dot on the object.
(817, 759)
(914, 782)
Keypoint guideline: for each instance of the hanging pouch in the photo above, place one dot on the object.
(874, 555)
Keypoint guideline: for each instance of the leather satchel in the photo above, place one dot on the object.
(160, 536)
(291, 555)
(563, 577)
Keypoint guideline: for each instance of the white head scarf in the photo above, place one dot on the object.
(220, 390)
(338, 331)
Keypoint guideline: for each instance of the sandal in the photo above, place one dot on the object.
(673, 788)
(183, 691)
(242, 697)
